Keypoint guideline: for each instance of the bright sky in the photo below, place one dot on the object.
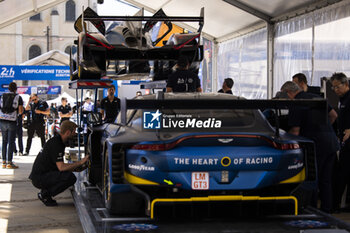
(115, 8)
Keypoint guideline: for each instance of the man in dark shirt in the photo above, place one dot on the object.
(303, 121)
(301, 80)
(227, 86)
(110, 106)
(37, 109)
(183, 80)
(49, 172)
(340, 85)
(64, 110)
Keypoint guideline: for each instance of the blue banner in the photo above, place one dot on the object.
(34, 72)
(49, 90)
(54, 90)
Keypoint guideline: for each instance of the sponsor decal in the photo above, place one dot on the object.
(151, 120)
(141, 167)
(295, 166)
(215, 161)
(196, 161)
(60, 155)
(158, 120)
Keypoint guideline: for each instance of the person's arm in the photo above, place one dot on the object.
(198, 84)
(170, 84)
(20, 106)
(65, 115)
(20, 109)
(70, 113)
(46, 112)
(71, 166)
(346, 135)
(332, 115)
(295, 130)
(28, 105)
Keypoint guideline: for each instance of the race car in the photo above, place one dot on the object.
(198, 150)
(124, 48)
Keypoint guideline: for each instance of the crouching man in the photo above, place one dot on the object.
(49, 172)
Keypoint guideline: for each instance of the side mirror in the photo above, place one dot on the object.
(94, 118)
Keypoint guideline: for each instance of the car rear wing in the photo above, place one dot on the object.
(320, 106)
(159, 16)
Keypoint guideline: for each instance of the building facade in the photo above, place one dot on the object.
(51, 29)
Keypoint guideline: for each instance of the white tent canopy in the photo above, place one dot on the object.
(51, 58)
(223, 19)
(13, 11)
(57, 100)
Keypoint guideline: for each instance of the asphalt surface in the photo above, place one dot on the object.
(22, 211)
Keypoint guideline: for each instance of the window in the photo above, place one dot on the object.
(34, 51)
(67, 49)
(70, 11)
(36, 17)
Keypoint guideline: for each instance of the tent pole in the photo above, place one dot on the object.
(270, 51)
(215, 67)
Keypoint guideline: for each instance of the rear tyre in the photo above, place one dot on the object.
(127, 201)
(72, 66)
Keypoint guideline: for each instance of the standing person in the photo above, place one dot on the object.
(11, 104)
(64, 111)
(302, 122)
(183, 80)
(340, 85)
(227, 86)
(110, 106)
(301, 80)
(49, 172)
(19, 134)
(88, 106)
(38, 109)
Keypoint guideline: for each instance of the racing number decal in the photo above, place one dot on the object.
(200, 180)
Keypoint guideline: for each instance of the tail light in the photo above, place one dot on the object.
(168, 146)
(154, 147)
(286, 146)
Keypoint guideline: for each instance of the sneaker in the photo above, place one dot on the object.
(11, 165)
(4, 164)
(26, 154)
(47, 200)
(20, 153)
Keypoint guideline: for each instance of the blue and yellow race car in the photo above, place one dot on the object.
(189, 151)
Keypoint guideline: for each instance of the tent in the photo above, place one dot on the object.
(51, 58)
(57, 100)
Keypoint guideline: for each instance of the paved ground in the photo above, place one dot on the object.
(22, 211)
